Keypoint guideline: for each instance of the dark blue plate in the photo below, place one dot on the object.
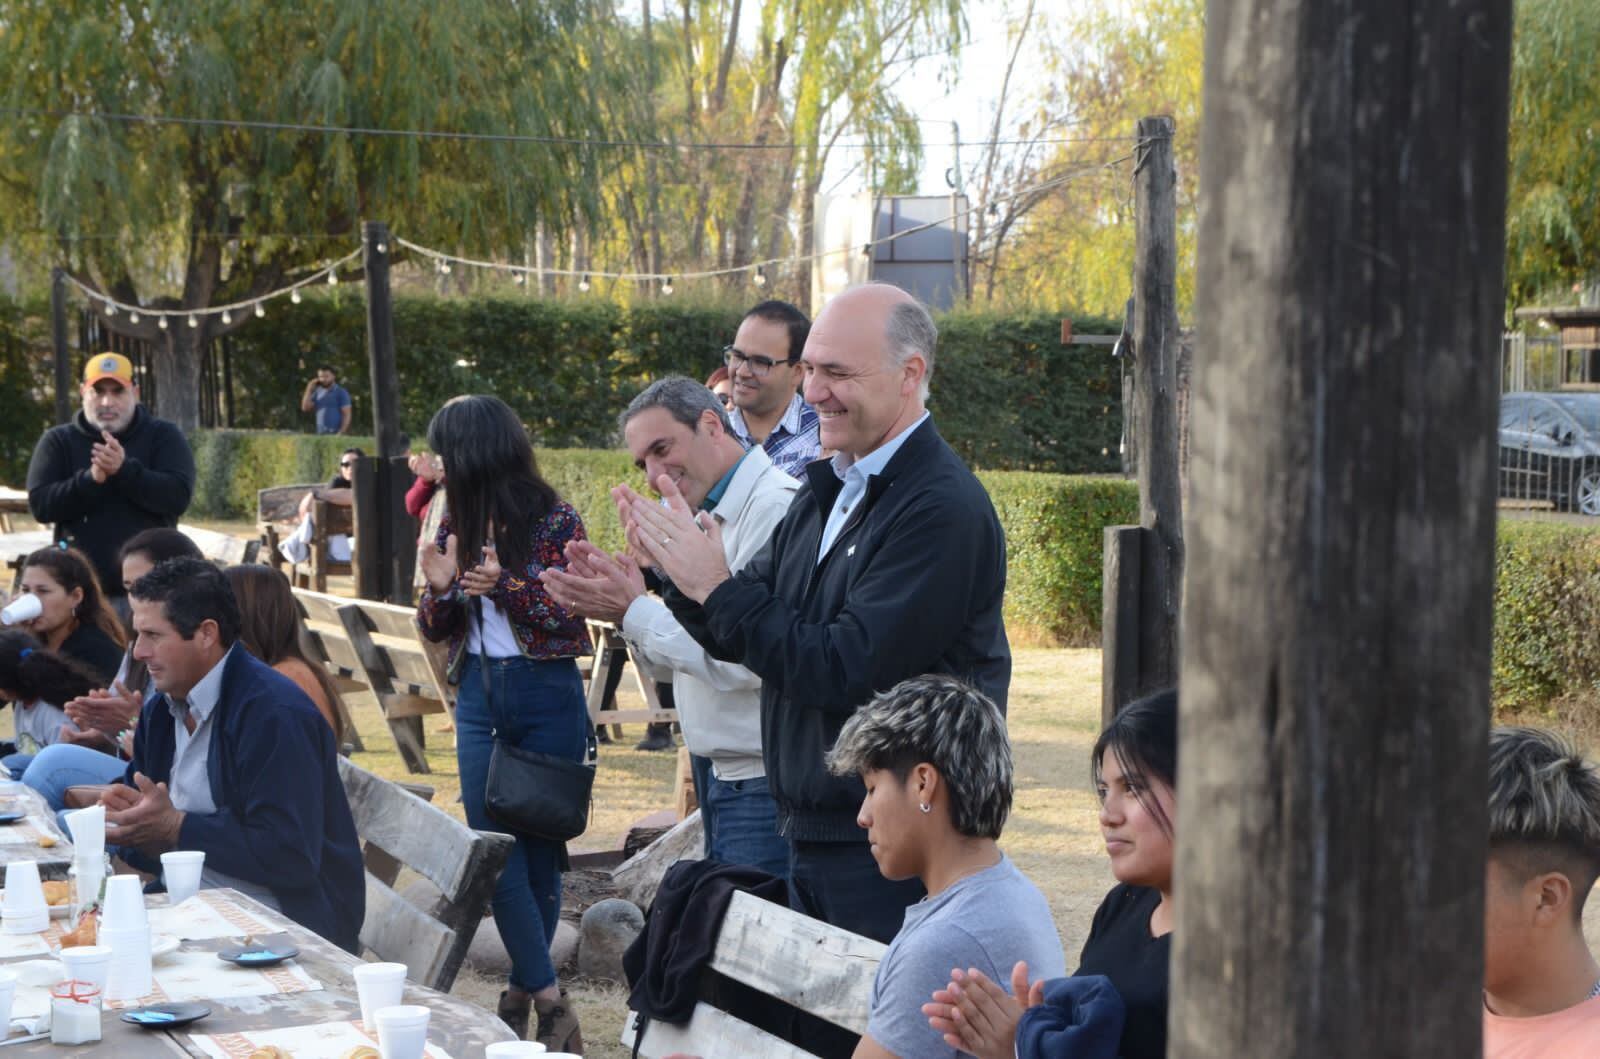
(11, 818)
(162, 1016)
(259, 955)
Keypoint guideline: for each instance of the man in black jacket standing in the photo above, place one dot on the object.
(110, 472)
(890, 563)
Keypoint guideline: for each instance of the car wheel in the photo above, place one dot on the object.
(1585, 496)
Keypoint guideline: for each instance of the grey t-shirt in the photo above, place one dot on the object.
(989, 921)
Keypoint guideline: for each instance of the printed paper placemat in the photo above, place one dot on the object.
(201, 976)
(209, 914)
(328, 1040)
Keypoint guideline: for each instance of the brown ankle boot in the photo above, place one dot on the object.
(558, 1025)
(513, 1011)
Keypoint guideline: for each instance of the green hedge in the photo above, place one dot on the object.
(1546, 611)
(27, 383)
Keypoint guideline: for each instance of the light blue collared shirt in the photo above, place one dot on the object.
(855, 474)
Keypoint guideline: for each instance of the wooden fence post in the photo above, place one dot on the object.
(388, 565)
(1336, 628)
(66, 393)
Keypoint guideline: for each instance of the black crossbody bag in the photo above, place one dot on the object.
(537, 795)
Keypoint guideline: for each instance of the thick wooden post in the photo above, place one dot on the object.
(66, 393)
(1155, 388)
(1336, 629)
(393, 544)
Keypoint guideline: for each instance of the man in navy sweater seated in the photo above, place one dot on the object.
(231, 757)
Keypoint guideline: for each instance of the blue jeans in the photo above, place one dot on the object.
(700, 772)
(62, 765)
(17, 764)
(744, 826)
(840, 884)
(538, 706)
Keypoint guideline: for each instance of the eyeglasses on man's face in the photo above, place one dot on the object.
(759, 366)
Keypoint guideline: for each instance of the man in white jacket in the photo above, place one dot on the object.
(677, 427)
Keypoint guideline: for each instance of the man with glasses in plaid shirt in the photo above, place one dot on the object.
(764, 365)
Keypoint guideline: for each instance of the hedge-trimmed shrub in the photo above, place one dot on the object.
(231, 465)
(1055, 529)
(1546, 612)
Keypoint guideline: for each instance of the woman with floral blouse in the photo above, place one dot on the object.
(513, 654)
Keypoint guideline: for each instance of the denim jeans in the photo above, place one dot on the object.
(839, 883)
(17, 764)
(744, 828)
(62, 765)
(538, 706)
(700, 772)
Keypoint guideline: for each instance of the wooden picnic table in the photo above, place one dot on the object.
(21, 840)
(461, 1029)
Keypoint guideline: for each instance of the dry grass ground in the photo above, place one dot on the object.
(1053, 835)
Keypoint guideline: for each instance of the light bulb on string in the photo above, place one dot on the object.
(333, 278)
(194, 321)
(227, 317)
(294, 295)
(133, 316)
(382, 248)
(666, 285)
(444, 268)
(519, 279)
(760, 277)
(260, 312)
(161, 321)
(583, 284)
(111, 307)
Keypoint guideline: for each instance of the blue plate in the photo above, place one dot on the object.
(162, 1016)
(259, 955)
(11, 818)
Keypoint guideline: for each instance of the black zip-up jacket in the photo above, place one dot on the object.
(913, 584)
(152, 488)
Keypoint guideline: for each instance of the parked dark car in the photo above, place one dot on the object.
(1550, 449)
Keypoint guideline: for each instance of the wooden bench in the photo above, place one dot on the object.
(15, 547)
(404, 671)
(804, 962)
(277, 514)
(605, 672)
(222, 548)
(324, 640)
(398, 829)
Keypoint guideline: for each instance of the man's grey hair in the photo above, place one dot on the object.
(683, 399)
(911, 330)
(1544, 807)
(940, 721)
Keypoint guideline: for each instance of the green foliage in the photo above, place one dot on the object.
(1054, 527)
(1553, 198)
(1546, 608)
(231, 465)
(1008, 394)
(25, 380)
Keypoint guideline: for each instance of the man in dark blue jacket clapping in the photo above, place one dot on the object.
(231, 757)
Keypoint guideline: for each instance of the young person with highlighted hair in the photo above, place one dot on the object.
(936, 760)
(1541, 984)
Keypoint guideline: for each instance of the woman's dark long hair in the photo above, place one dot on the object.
(71, 569)
(270, 624)
(494, 481)
(34, 673)
(1144, 738)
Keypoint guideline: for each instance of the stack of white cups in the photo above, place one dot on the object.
(88, 827)
(125, 930)
(24, 911)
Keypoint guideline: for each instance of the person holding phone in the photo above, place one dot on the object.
(513, 657)
(330, 401)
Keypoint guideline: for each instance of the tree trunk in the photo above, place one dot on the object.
(1336, 634)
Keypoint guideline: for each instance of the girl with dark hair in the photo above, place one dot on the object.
(1135, 764)
(513, 654)
(76, 620)
(37, 681)
(270, 623)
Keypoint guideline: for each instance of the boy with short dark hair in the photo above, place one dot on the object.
(1541, 989)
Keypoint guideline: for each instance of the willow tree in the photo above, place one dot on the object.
(186, 214)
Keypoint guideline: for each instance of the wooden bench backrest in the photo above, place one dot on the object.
(220, 547)
(327, 640)
(281, 503)
(802, 961)
(385, 636)
(462, 863)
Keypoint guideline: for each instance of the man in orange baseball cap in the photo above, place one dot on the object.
(110, 472)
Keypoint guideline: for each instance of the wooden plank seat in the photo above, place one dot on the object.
(404, 671)
(804, 962)
(398, 829)
(277, 514)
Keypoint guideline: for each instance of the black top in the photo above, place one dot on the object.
(89, 645)
(152, 488)
(913, 584)
(1121, 948)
